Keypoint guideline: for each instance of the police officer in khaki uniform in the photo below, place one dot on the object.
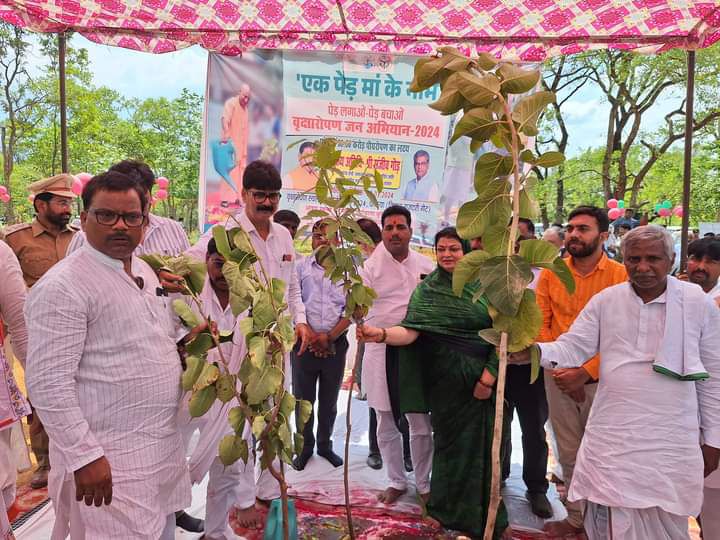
(38, 246)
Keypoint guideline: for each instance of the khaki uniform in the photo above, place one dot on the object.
(36, 248)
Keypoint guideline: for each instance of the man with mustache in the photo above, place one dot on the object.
(570, 392)
(38, 246)
(654, 429)
(104, 374)
(703, 268)
(393, 271)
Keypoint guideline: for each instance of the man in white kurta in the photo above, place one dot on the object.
(13, 405)
(640, 466)
(393, 271)
(276, 253)
(104, 373)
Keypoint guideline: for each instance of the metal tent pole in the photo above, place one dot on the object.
(62, 42)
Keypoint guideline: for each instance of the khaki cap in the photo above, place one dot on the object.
(60, 184)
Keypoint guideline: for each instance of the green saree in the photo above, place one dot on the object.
(438, 374)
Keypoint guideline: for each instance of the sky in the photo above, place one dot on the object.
(143, 75)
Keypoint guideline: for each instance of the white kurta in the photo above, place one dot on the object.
(104, 375)
(641, 445)
(394, 283)
(713, 481)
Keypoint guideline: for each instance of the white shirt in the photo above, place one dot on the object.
(394, 283)
(104, 375)
(713, 481)
(641, 445)
(276, 252)
(162, 235)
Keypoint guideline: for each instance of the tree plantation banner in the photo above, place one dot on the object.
(273, 105)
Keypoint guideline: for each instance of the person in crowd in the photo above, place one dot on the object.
(374, 459)
(163, 236)
(570, 392)
(104, 376)
(39, 245)
(319, 371)
(529, 401)
(423, 186)
(449, 371)
(628, 219)
(703, 268)
(393, 271)
(13, 405)
(274, 247)
(654, 428)
(288, 219)
(556, 236)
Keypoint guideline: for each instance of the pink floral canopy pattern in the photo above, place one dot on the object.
(529, 30)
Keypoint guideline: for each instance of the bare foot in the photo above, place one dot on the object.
(390, 495)
(249, 518)
(562, 528)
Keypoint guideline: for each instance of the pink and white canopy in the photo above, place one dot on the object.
(530, 30)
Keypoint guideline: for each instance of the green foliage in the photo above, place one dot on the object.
(482, 88)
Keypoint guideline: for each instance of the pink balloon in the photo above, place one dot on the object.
(612, 203)
(3, 189)
(77, 186)
(31, 198)
(84, 177)
(161, 194)
(678, 211)
(162, 182)
(615, 213)
(4, 197)
(665, 212)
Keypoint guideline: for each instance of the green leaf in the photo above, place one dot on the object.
(550, 159)
(314, 214)
(258, 426)
(232, 448)
(428, 72)
(299, 442)
(466, 269)
(225, 387)
(257, 350)
(286, 331)
(193, 368)
(201, 401)
(527, 156)
(528, 207)
(155, 260)
(262, 311)
(285, 436)
(534, 364)
(516, 80)
(490, 166)
(528, 109)
(326, 156)
(221, 241)
(491, 206)
(265, 384)
(560, 269)
(522, 328)
(236, 419)
(304, 410)
(278, 291)
(505, 279)
(241, 239)
(379, 182)
(450, 102)
(542, 254)
(478, 123)
(287, 405)
(243, 258)
(245, 326)
(195, 278)
(479, 91)
(355, 162)
(486, 61)
(200, 345)
(490, 335)
(208, 376)
(496, 238)
(186, 314)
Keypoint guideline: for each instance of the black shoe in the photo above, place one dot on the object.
(331, 456)
(539, 504)
(374, 461)
(188, 523)
(408, 464)
(300, 461)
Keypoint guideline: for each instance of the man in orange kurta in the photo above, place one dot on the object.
(570, 392)
(235, 127)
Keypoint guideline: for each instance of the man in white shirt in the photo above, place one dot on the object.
(393, 271)
(104, 375)
(703, 268)
(161, 235)
(423, 186)
(654, 428)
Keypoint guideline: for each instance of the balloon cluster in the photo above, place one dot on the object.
(163, 184)
(79, 182)
(665, 209)
(4, 195)
(616, 208)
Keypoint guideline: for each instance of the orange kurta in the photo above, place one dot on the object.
(560, 309)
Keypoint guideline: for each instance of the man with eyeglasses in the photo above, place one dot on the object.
(104, 372)
(274, 246)
(38, 246)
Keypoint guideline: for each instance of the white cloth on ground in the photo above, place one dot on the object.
(634, 524)
(394, 283)
(640, 448)
(104, 376)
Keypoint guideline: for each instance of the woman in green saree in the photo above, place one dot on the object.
(448, 370)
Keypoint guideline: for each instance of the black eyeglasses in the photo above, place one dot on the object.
(110, 218)
(260, 196)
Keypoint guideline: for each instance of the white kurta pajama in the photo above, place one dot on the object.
(104, 376)
(394, 283)
(277, 254)
(640, 455)
(13, 405)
